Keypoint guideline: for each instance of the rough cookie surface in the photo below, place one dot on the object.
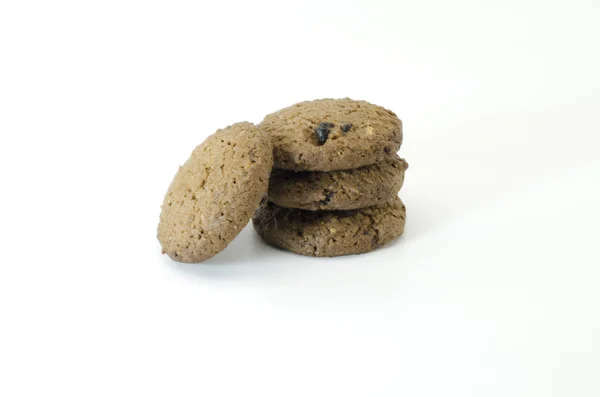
(332, 134)
(214, 194)
(338, 190)
(330, 233)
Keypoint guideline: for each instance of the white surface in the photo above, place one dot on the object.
(492, 291)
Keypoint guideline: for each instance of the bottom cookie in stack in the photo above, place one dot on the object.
(330, 233)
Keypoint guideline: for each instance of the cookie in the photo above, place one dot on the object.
(330, 233)
(338, 190)
(215, 193)
(332, 134)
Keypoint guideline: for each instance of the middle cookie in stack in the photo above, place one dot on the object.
(338, 190)
(334, 187)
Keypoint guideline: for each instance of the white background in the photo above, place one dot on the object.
(493, 290)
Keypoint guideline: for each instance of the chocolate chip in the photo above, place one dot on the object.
(328, 196)
(322, 132)
(346, 127)
(386, 149)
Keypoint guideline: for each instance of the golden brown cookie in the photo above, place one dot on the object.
(332, 134)
(338, 190)
(215, 193)
(330, 233)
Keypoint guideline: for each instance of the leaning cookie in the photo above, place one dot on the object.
(332, 134)
(215, 193)
(330, 233)
(338, 190)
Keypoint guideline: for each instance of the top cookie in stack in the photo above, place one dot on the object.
(336, 157)
(332, 134)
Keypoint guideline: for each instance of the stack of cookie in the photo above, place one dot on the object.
(334, 186)
(328, 168)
